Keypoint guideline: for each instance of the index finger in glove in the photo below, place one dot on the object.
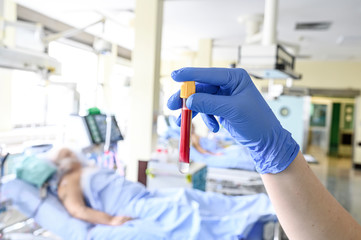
(213, 76)
(211, 104)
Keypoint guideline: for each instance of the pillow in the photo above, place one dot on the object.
(35, 170)
(49, 212)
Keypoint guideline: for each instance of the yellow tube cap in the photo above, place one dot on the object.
(187, 89)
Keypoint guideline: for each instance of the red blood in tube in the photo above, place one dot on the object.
(185, 134)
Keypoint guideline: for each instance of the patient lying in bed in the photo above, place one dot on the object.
(68, 187)
(97, 195)
(234, 156)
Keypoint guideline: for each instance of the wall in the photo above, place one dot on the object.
(330, 74)
(326, 74)
(293, 112)
(315, 74)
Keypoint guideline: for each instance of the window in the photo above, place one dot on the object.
(37, 102)
(318, 115)
(80, 67)
(120, 91)
(27, 99)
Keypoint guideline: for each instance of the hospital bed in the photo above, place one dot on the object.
(231, 173)
(166, 214)
(161, 175)
(13, 223)
(234, 181)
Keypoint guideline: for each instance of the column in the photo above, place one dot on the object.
(142, 135)
(204, 57)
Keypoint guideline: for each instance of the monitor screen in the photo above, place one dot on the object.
(97, 126)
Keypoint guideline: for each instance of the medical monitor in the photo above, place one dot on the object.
(97, 127)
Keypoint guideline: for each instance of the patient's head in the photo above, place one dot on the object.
(66, 160)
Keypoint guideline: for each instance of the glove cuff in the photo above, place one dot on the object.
(279, 152)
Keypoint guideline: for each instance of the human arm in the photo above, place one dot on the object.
(71, 196)
(196, 144)
(293, 189)
(305, 208)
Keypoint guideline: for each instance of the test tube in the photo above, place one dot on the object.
(187, 89)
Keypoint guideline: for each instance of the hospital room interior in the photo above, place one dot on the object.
(84, 89)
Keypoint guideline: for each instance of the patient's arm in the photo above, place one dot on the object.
(70, 194)
(198, 147)
(305, 208)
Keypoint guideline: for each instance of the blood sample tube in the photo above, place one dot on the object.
(187, 89)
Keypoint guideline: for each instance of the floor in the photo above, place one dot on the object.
(340, 179)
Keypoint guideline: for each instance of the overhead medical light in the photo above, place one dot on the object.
(262, 56)
(268, 62)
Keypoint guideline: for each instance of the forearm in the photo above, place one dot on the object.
(203, 151)
(69, 192)
(305, 208)
(200, 149)
(91, 215)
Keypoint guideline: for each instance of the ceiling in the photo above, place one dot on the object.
(187, 21)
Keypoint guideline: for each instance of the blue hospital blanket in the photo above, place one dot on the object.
(174, 213)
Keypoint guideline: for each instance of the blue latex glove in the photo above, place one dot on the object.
(231, 95)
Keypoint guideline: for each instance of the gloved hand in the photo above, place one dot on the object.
(231, 95)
